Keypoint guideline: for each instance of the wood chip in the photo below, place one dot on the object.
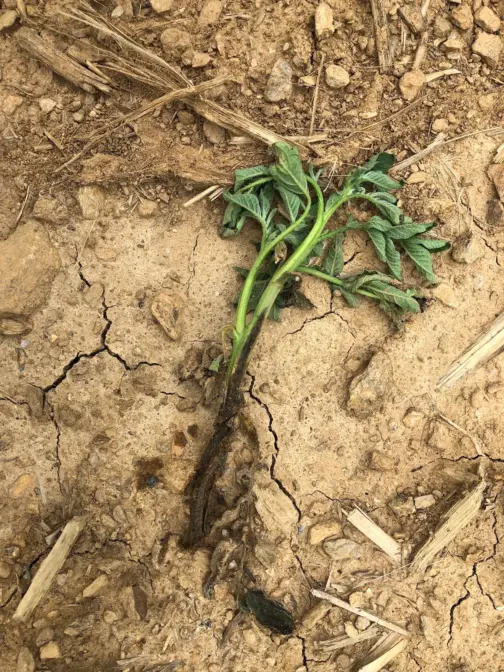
(373, 532)
(383, 652)
(460, 515)
(359, 612)
(49, 568)
(379, 9)
(489, 344)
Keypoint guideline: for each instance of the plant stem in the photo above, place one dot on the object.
(308, 270)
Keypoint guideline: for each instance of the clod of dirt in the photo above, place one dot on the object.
(462, 17)
(489, 47)
(495, 212)
(381, 462)
(446, 295)
(402, 505)
(413, 18)
(321, 531)
(369, 389)
(175, 41)
(324, 22)
(442, 27)
(5, 570)
(213, 132)
(200, 59)
(487, 19)
(102, 168)
(454, 45)
(440, 125)
(7, 19)
(91, 200)
(147, 208)
(279, 86)
(25, 660)
(28, 265)
(160, 6)
(50, 651)
(210, 13)
(411, 83)
(496, 174)
(50, 210)
(167, 308)
(336, 77)
(342, 549)
(467, 249)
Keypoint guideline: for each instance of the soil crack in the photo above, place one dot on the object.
(274, 456)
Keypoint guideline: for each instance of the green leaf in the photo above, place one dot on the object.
(380, 242)
(384, 197)
(248, 202)
(420, 257)
(266, 199)
(434, 245)
(215, 365)
(244, 175)
(334, 260)
(378, 224)
(331, 202)
(288, 171)
(291, 201)
(350, 298)
(355, 282)
(393, 259)
(233, 220)
(391, 211)
(408, 230)
(381, 180)
(241, 271)
(390, 294)
(382, 162)
(269, 612)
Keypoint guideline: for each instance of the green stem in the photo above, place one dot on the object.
(308, 270)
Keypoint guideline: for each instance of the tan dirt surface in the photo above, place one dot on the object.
(113, 301)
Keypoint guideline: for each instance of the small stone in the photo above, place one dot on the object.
(467, 249)
(495, 212)
(91, 200)
(110, 616)
(23, 485)
(179, 443)
(210, 13)
(321, 531)
(11, 104)
(96, 586)
(47, 105)
(314, 615)
(342, 549)
(369, 389)
(324, 22)
(412, 418)
(175, 41)
(402, 505)
(43, 636)
(5, 570)
(78, 117)
(462, 17)
(428, 625)
(362, 623)
(279, 86)
(343, 662)
(487, 19)
(496, 174)
(309, 80)
(213, 132)
(351, 630)
(117, 12)
(440, 125)
(357, 599)
(25, 660)
(200, 59)
(442, 27)
(147, 208)
(118, 515)
(160, 6)
(7, 19)
(250, 637)
(381, 462)
(167, 309)
(50, 651)
(50, 210)
(446, 295)
(336, 77)
(412, 17)
(454, 43)
(105, 253)
(411, 83)
(424, 501)
(185, 117)
(489, 47)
